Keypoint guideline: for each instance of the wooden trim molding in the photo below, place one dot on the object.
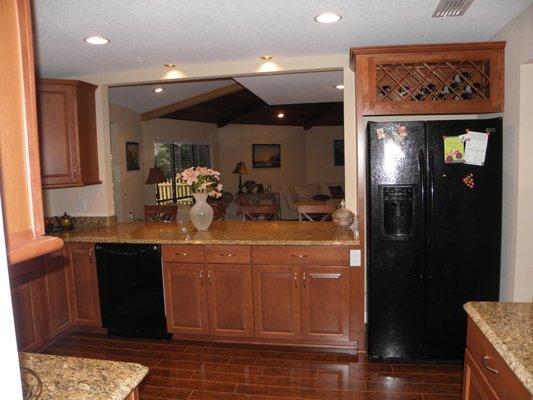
(33, 248)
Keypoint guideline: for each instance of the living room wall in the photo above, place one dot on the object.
(319, 151)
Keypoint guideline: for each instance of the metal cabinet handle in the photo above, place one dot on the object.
(201, 277)
(227, 255)
(209, 277)
(91, 255)
(182, 254)
(484, 360)
(295, 279)
(75, 170)
(300, 255)
(303, 278)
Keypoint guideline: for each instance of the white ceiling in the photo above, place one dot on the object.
(311, 87)
(146, 34)
(297, 88)
(141, 98)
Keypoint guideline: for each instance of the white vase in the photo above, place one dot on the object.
(201, 212)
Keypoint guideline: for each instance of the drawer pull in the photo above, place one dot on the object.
(183, 254)
(201, 277)
(484, 360)
(227, 255)
(295, 279)
(300, 255)
(209, 277)
(304, 277)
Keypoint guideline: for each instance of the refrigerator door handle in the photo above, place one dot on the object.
(430, 232)
(422, 228)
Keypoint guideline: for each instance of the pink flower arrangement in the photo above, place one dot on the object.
(203, 180)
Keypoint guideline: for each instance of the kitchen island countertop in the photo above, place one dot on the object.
(220, 232)
(66, 378)
(509, 328)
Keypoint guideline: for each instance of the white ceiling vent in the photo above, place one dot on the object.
(451, 8)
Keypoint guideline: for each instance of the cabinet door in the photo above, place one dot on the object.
(28, 295)
(186, 298)
(229, 296)
(475, 387)
(59, 292)
(85, 282)
(325, 303)
(58, 134)
(276, 301)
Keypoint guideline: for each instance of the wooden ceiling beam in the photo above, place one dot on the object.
(318, 117)
(191, 101)
(255, 106)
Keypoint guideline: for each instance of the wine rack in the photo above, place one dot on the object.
(430, 79)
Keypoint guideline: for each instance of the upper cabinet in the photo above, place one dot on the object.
(20, 181)
(456, 78)
(67, 133)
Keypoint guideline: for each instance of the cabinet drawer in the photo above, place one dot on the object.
(504, 382)
(227, 254)
(301, 255)
(183, 253)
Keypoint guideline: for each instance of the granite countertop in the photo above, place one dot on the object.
(220, 232)
(67, 378)
(509, 328)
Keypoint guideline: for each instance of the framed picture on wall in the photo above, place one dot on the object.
(338, 152)
(266, 156)
(132, 156)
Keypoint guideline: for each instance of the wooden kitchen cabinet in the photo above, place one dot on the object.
(29, 300)
(453, 78)
(475, 387)
(67, 133)
(20, 180)
(276, 301)
(325, 293)
(81, 261)
(59, 292)
(186, 298)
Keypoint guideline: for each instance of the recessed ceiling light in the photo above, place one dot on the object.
(281, 115)
(328, 18)
(266, 57)
(96, 40)
(159, 90)
(169, 65)
(340, 86)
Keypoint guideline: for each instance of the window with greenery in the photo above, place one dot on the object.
(173, 158)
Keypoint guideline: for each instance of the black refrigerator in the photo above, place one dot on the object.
(433, 236)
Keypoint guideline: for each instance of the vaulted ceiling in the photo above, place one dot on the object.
(146, 34)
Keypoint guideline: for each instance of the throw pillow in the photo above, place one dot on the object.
(321, 197)
(336, 192)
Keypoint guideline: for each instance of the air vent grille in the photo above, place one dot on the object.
(451, 8)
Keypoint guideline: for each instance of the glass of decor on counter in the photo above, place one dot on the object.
(203, 182)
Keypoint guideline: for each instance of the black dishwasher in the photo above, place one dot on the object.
(130, 282)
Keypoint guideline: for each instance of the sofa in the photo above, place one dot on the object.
(290, 195)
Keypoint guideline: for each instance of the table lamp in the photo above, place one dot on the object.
(155, 176)
(240, 169)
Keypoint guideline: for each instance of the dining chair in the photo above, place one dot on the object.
(219, 211)
(259, 212)
(163, 213)
(315, 212)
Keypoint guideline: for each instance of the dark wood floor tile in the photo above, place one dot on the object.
(300, 393)
(301, 364)
(417, 377)
(163, 392)
(60, 352)
(148, 362)
(128, 343)
(203, 395)
(258, 370)
(428, 369)
(181, 364)
(440, 396)
(411, 387)
(295, 349)
(278, 381)
(190, 384)
(171, 373)
(262, 354)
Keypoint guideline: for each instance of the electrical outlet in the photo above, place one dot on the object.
(355, 258)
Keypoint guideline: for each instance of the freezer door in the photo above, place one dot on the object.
(396, 169)
(463, 233)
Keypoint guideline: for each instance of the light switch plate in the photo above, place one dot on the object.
(355, 258)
